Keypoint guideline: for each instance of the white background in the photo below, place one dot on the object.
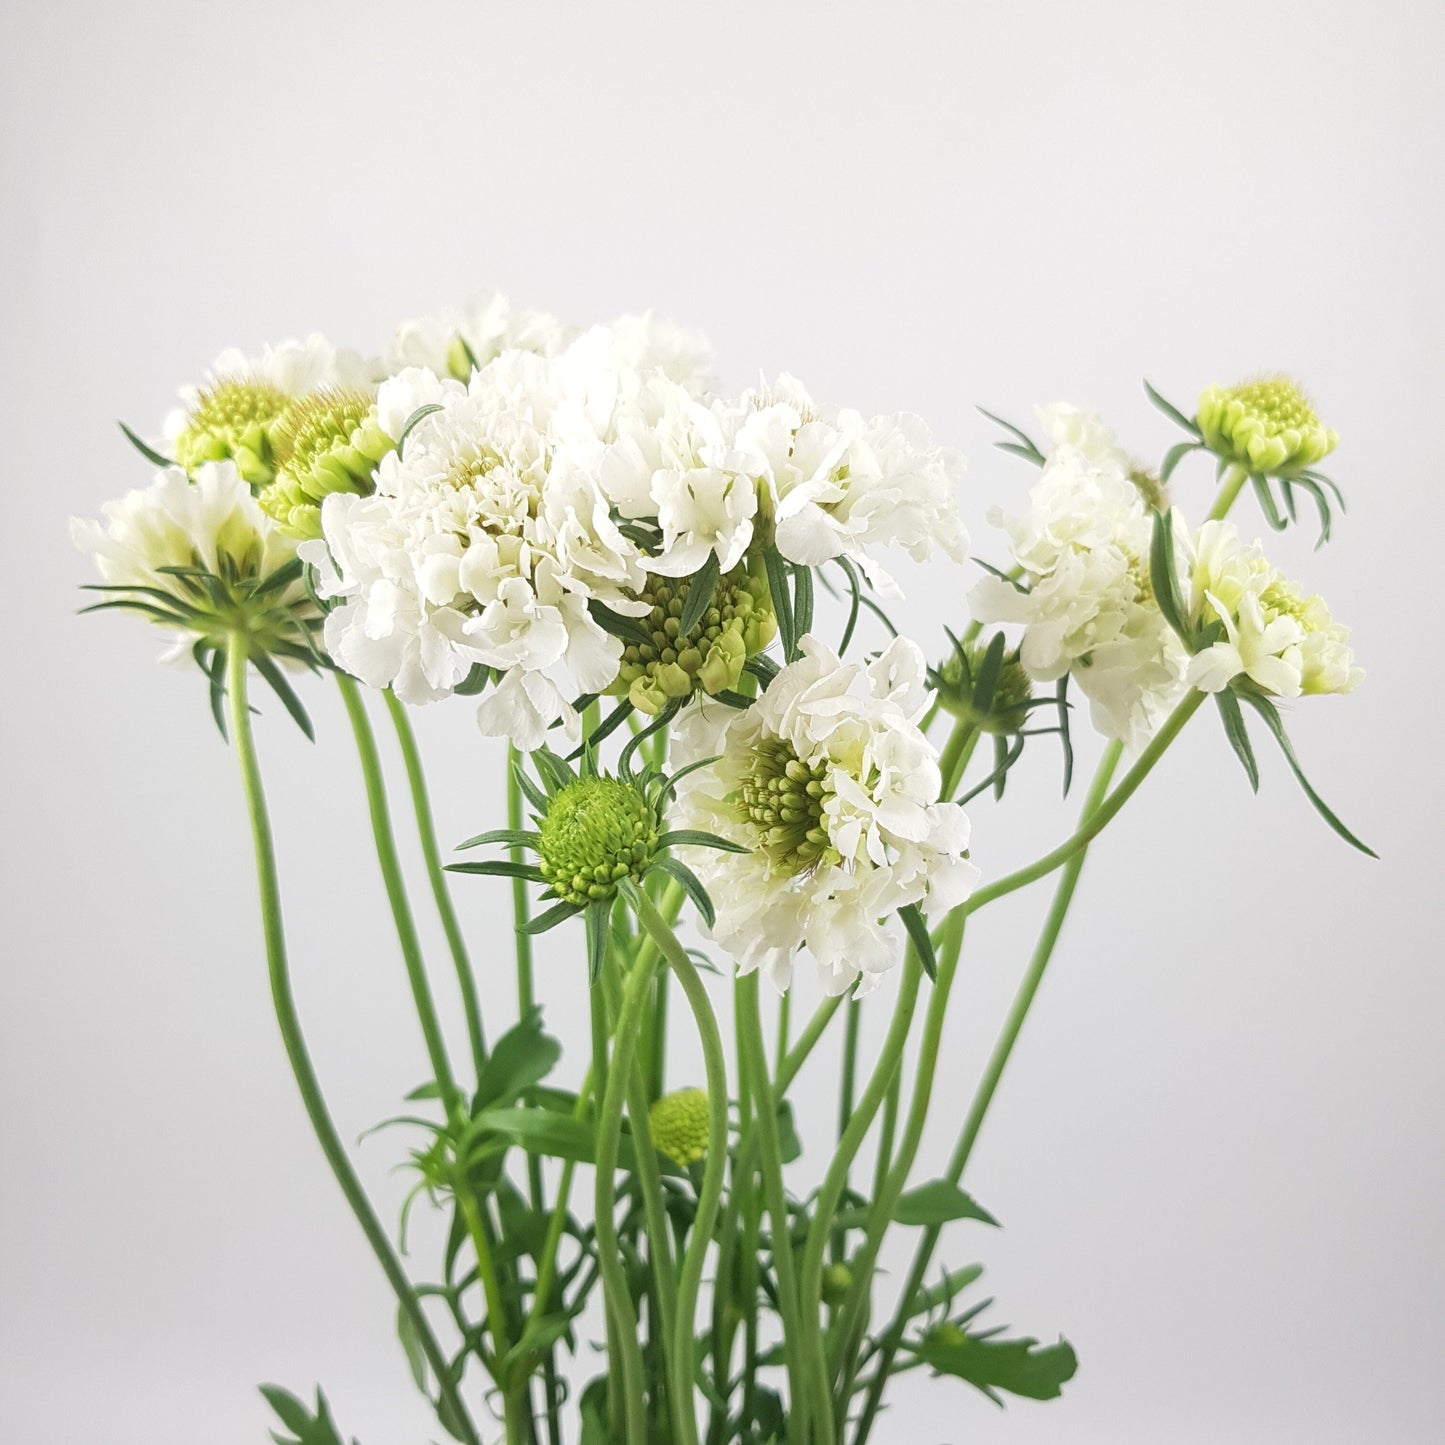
(1218, 1153)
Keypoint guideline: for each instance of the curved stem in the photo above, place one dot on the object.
(302, 1068)
(826, 1204)
(426, 829)
(710, 1193)
(1234, 480)
(396, 889)
(765, 1102)
(1099, 820)
(1043, 951)
(613, 1078)
(846, 1090)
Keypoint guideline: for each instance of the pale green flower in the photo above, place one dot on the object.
(679, 1123)
(1266, 426)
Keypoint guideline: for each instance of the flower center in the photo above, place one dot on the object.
(670, 665)
(232, 420)
(596, 832)
(783, 797)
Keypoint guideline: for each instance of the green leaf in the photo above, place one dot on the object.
(692, 886)
(989, 668)
(700, 593)
(855, 590)
(557, 1136)
(942, 1294)
(1027, 449)
(1002, 763)
(607, 726)
(1267, 503)
(148, 453)
(558, 913)
(1021, 1367)
(513, 837)
(777, 570)
(1267, 710)
(1066, 742)
(802, 599)
(1161, 574)
(283, 690)
(554, 773)
(596, 921)
(1172, 412)
(696, 838)
(411, 1344)
(789, 1144)
(629, 629)
(307, 1428)
(938, 1202)
(498, 868)
(1234, 730)
(522, 1057)
(411, 421)
(1174, 456)
(917, 928)
(474, 682)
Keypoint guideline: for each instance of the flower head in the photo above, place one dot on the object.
(328, 442)
(595, 832)
(1084, 595)
(1001, 706)
(456, 344)
(1266, 426)
(831, 788)
(671, 666)
(1283, 642)
(679, 1124)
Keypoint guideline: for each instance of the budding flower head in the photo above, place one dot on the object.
(679, 1123)
(234, 420)
(1266, 426)
(596, 832)
(993, 693)
(671, 665)
(327, 442)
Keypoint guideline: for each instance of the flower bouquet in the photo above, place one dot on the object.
(670, 606)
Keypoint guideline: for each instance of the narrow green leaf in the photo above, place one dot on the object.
(554, 773)
(986, 681)
(1001, 767)
(696, 838)
(1172, 411)
(558, 913)
(1267, 710)
(606, 727)
(520, 1058)
(497, 868)
(629, 629)
(762, 667)
(533, 794)
(943, 1294)
(513, 837)
(149, 453)
(635, 742)
(1234, 730)
(1028, 454)
(475, 681)
(283, 690)
(802, 599)
(692, 886)
(1161, 574)
(855, 595)
(1030, 447)
(939, 1202)
(596, 920)
(411, 1346)
(700, 593)
(1174, 456)
(411, 421)
(1021, 1367)
(777, 570)
(918, 934)
(1267, 503)
(1066, 742)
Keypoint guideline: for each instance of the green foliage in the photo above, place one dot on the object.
(307, 1426)
(1017, 1367)
(938, 1202)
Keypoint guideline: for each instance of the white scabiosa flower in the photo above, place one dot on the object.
(1085, 599)
(830, 785)
(1285, 643)
(454, 343)
(647, 344)
(837, 484)
(484, 543)
(209, 525)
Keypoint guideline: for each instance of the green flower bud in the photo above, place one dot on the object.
(596, 832)
(1268, 427)
(1006, 711)
(329, 442)
(679, 1123)
(836, 1280)
(234, 420)
(738, 621)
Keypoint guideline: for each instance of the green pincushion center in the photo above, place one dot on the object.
(596, 832)
(233, 420)
(782, 798)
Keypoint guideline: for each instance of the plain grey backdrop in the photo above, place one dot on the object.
(1217, 1156)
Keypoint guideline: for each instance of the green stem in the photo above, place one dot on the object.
(846, 1090)
(1102, 816)
(1043, 951)
(895, 1180)
(613, 1077)
(1234, 480)
(785, 1005)
(709, 1195)
(826, 1204)
(396, 889)
(426, 830)
(956, 752)
(512, 1393)
(765, 1104)
(296, 1052)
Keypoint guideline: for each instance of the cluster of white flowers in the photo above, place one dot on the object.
(1084, 596)
(829, 783)
(505, 523)
(1283, 642)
